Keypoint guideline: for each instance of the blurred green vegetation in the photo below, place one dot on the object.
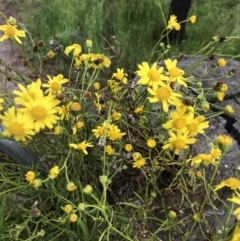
(136, 25)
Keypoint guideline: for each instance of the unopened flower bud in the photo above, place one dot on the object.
(172, 214)
(87, 189)
(71, 186)
(81, 207)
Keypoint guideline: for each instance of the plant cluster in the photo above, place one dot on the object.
(111, 147)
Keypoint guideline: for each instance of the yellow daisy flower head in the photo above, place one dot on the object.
(138, 109)
(1, 102)
(178, 122)
(50, 54)
(179, 141)
(114, 133)
(68, 208)
(151, 143)
(98, 61)
(64, 111)
(224, 142)
(136, 156)
(18, 125)
(30, 176)
(11, 32)
(82, 146)
(41, 110)
(172, 22)
(174, 72)
(115, 86)
(54, 172)
(202, 158)
(71, 186)
(109, 150)
(120, 76)
(152, 77)
(177, 27)
(29, 91)
(77, 126)
(215, 152)
(73, 218)
(116, 115)
(75, 106)
(102, 130)
(197, 125)
(193, 19)
(54, 84)
(229, 109)
(221, 62)
(232, 183)
(96, 85)
(220, 95)
(139, 163)
(128, 147)
(165, 95)
(76, 48)
(89, 43)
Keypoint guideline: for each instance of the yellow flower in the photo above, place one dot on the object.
(68, 208)
(172, 22)
(73, 218)
(102, 130)
(64, 111)
(54, 84)
(114, 86)
(150, 76)
(229, 109)
(232, 183)
(96, 85)
(174, 72)
(116, 115)
(128, 147)
(76, 48)
(120, 76)
(18, 125)
(98, 61)
(151, 143)
(165, 95)
(11, 32)
(223, 88)
(41, 110)
(193, 19)
(215, 152)
(71, 186)
(89, 43)
(1, 102)
(224, 142)
(54, 171)
(202, 158)
(179, 142)
(87, 189)
(197, 125)
(236, 234)
(139, 163)
(220, 95)
(77, 126)
(30, 176)
(139, 109)
(82, 146)
(75, 106)
(221, 62)
(109, 150)
(178, 122)
(58, 130)
(115, 133)
(50, 54)
(30, 91)
(177, 27)
(136, 156)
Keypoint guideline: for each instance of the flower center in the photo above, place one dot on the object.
(10, 31)
(175, 72)
(16, 129)
(82, 146)
(163, 93)
(179, 123)
(153, 75)
(193, 127)
(179, 144)
(119, 76)
(55, 86)
(39, 112)
(216, 153)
